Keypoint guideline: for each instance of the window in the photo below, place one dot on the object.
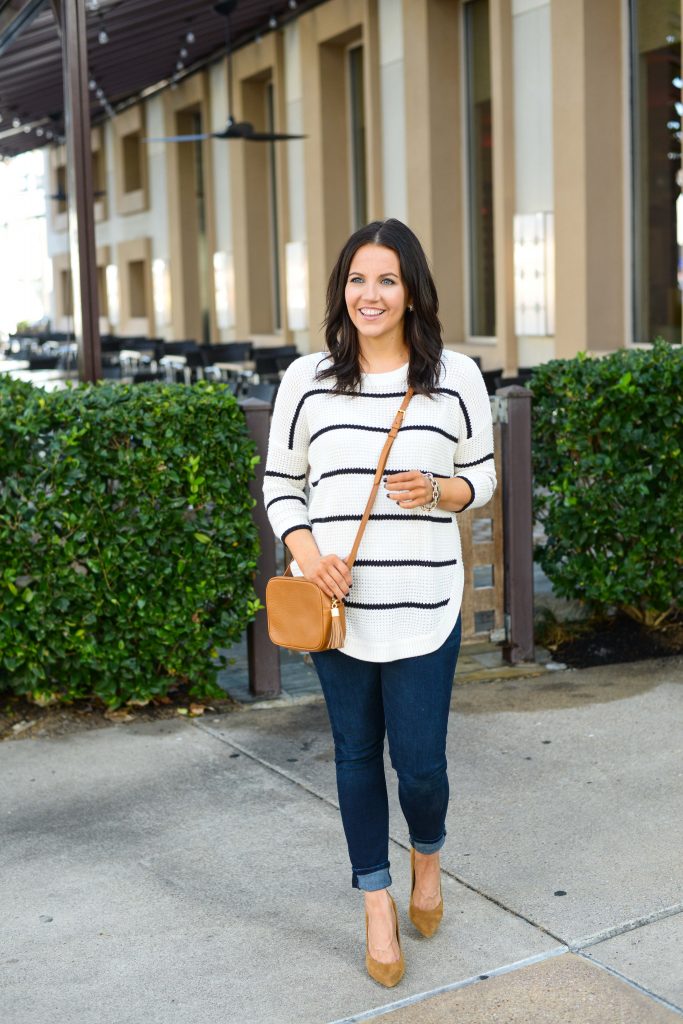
(137, 289)
(479, 169)
(66, 293)
(359, 199)
(61, 189)
(132, 162)
(102, 290)
(657, 116)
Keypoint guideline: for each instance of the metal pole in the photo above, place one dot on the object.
(264, 655)
(70, 15)
(518, 524)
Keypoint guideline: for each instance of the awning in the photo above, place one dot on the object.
(142, 53)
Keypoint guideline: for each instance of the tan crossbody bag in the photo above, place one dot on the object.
(302, 617)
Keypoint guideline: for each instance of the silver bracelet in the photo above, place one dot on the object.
(436, 493)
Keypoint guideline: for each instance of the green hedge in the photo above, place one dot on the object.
(608, 470)
(127, 544)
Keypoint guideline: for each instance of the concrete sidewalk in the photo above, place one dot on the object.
(196, 871)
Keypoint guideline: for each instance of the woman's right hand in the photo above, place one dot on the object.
(330, 572)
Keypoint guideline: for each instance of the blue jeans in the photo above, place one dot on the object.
(409, 699)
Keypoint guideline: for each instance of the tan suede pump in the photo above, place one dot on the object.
(426, 921)
(386, 974)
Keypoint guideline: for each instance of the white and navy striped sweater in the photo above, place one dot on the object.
(322, 456)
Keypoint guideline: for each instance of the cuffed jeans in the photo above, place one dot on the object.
(409, 700)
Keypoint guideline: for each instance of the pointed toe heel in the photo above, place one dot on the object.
(426, 921)
(386, 974)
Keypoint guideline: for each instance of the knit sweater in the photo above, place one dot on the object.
(323, 451)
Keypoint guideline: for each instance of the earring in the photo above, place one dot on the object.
(410, 309)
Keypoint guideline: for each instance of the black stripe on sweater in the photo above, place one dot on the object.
(372, 394)
(306, 394)
(391, 562)
(381, 516)
(286, 497)
(456, 394)
(288, 476)
(324, 391)
(370, 472)
(467, 481)
(381, 430)
(397, 604)
(477, 462)
(290, 529)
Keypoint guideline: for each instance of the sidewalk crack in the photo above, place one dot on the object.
(629, 981)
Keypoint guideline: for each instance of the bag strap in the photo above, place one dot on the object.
(395, 427)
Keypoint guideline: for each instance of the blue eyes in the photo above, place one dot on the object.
(359, 280)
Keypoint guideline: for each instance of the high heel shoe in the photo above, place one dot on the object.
(386, 974)
(426, 921)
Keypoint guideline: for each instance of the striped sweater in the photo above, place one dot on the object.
(323, 450)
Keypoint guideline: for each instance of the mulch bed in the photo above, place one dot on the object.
(616, 640)
(22, 719)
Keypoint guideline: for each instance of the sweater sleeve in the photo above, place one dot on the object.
(287, 460)
(473, 459)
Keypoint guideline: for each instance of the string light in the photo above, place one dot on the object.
(190, 37)
(184, 54)
(16, 123)
(272, 21)
(292, 5)
(103, 37)
(92, 85)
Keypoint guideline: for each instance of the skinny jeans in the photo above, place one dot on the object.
(408, 700)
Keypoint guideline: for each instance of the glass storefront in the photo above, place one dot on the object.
(657, 116)
(479, 169)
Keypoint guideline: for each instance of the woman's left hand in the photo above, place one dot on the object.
(410, 490)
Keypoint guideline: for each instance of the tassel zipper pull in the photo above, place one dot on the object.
(336, 630)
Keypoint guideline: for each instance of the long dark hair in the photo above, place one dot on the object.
(422, 328)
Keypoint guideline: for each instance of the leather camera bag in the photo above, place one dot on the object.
(300, 615)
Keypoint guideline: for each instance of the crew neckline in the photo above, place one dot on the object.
(387, 373)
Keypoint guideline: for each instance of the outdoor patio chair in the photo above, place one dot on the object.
(266, 360)
(229, 352)
(265, 391)
(490, 378)
(43, 362)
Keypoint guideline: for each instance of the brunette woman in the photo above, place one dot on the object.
(394, 673)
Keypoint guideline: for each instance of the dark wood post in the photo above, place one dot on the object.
(264, 655)
(515, 417)
(70, 16)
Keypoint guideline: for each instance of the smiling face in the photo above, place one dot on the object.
(375, 294)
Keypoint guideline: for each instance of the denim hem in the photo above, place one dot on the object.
(428, 847)
(380, 879)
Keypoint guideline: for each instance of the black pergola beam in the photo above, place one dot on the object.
(12, 27)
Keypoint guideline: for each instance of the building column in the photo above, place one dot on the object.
(588, 175)
(433, 162)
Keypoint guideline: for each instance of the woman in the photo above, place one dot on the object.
(394, 673)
